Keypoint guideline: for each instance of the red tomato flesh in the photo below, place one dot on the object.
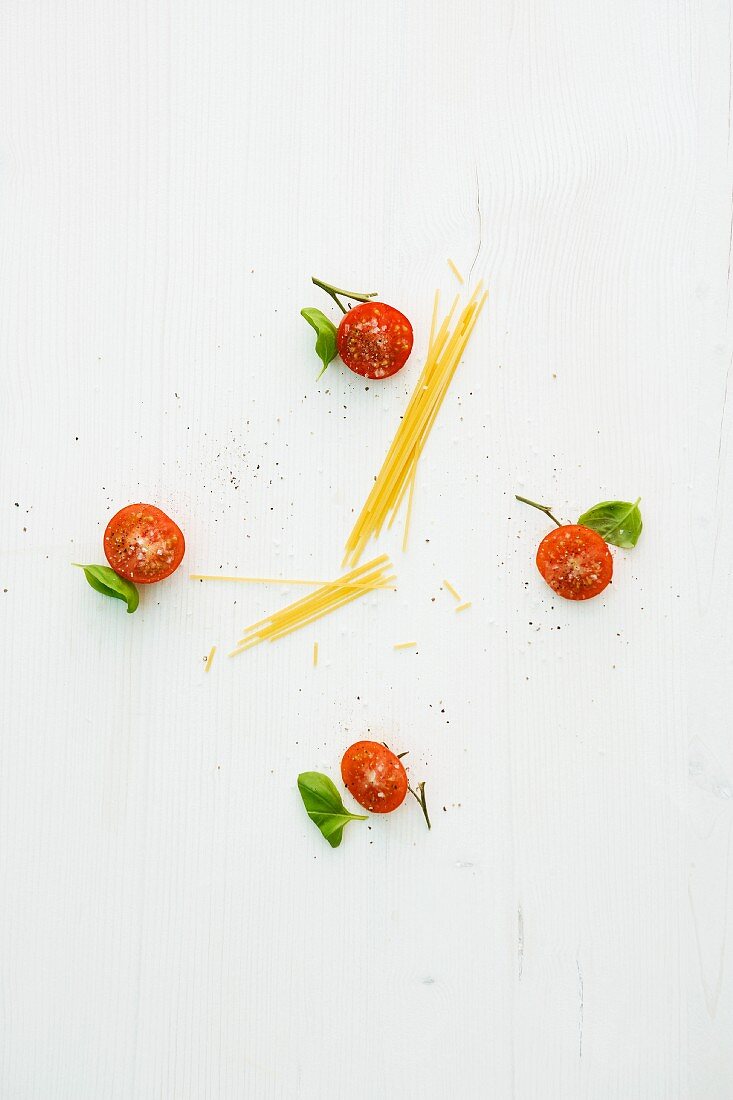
(374, 339)
(143, 544)
(575, 562)
(374, 776)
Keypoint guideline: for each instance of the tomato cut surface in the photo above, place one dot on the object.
(575, 562)
(143, 544)
(374, 339)
(374, 776)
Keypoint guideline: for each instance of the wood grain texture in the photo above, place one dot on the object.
(171, 924)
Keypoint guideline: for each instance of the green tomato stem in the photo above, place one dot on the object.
(541, 507)
(333, 291)
(421, 799)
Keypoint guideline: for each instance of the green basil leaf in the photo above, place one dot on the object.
(325, 335)
(324, 806)
(105, 580)
(616, 521)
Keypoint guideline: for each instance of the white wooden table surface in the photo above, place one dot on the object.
(171, 924)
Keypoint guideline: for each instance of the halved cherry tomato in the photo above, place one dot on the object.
(374, 339)
(575, 562)
(374, 776)
(143, 544)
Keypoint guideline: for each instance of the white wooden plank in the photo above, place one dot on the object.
(171, 924)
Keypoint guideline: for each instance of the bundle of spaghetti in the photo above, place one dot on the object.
(367, 578)
(397, 475)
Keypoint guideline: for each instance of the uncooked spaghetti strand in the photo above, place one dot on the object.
(408, 517)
